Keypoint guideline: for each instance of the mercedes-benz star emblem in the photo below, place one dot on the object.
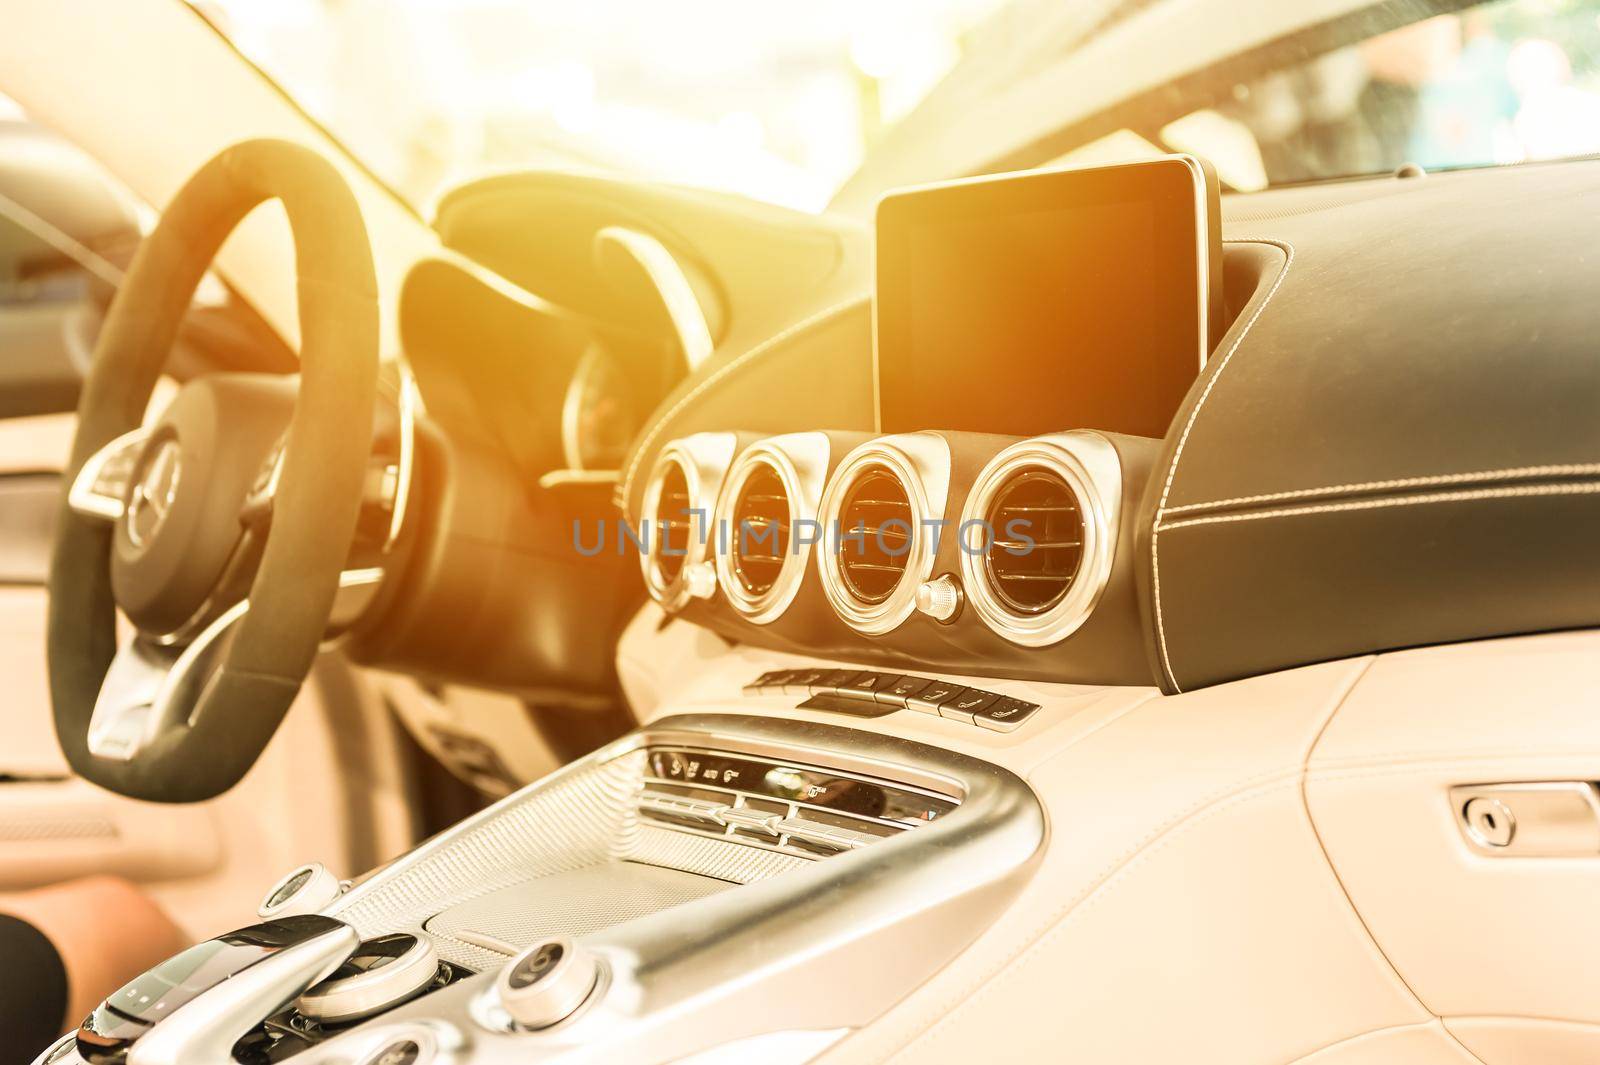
(152, 496)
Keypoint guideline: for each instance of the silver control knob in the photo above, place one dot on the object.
(383, 972)
(305, 890)
(939, 598)
(701, 580)
(547, 982)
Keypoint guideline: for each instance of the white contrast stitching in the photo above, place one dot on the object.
(760, 349)
(1166, 488)
(1585, 488)
(1514, 473)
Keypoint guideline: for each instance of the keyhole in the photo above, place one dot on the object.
(1489, 822)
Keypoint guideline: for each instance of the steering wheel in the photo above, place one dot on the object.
(222, 529)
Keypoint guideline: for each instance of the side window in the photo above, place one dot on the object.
(1505, 82)
(66, 232)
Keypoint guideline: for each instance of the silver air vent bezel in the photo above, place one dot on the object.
(921, 462)
(704, 459)
(800, 462)
(1092, 470)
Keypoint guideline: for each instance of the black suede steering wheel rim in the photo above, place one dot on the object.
(318, 494)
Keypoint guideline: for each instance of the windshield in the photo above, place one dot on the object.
(777, 103)
(783, 104)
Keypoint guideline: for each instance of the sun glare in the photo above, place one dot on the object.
(777, 103)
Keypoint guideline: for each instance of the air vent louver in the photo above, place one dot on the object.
(675, 523)
(760, 534)
(1037, 546)
(875, 524)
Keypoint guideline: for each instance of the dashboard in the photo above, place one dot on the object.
(1313, 496)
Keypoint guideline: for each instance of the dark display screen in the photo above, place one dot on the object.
(1045, 301)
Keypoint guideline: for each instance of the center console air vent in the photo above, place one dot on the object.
(877, 522)
(1038, 535)
(877, 519)
(774, 485)
(1036, 540)
(759, 537)
(675, 520)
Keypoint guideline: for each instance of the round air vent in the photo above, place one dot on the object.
(674, 523)
(675, 518)
(1036, 540)
(759, 532)
(1037, 535)
(762, 553)
(877, 547)
(876, 525)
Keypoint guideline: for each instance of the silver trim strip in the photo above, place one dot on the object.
(93, 499)
(677, 294)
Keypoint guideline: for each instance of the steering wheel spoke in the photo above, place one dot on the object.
(100, 491)
(152, 688)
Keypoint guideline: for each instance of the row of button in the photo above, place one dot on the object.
(752, 819)
(873, 693)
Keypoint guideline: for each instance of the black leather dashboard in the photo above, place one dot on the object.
(1400, 443)
(1396, 444)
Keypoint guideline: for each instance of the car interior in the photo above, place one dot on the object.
(1105, 573)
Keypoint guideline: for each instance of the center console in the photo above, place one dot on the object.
(711, 879)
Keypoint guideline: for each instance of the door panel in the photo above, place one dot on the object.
(1482, 938)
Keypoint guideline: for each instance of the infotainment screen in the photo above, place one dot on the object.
(1047, 300)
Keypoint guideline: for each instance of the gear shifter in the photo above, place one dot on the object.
(195, 1005)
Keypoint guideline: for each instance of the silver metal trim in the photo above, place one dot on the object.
(681, 980)
(921, 462)
(90, 499)
(1089, 464)
(154, 491)
(554, 995)
(335, 1001)
(678, 297)
(208, 1026)
(704, 459)
(321, 888)
(153, 685)
(1534, 819)
(800, 461)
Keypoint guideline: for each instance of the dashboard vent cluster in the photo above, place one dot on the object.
(1037, 533)
(876, 522)
(760, 534)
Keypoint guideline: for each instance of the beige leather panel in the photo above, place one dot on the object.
(1471, 934)
(1195, 950)
(1526, 1041)
(1186, 908)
